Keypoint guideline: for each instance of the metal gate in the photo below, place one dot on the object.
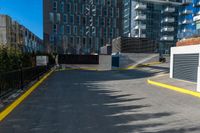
(185, 66)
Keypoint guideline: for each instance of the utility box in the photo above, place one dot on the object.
(42, 60)
(185, 64)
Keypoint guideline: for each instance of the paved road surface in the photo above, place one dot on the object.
(104, 102)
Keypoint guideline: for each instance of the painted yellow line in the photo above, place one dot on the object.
(12, 106)
(174, 88)
(140, 65)
(88, 69)
(151, 63)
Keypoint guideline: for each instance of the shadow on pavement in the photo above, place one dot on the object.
(79, 102)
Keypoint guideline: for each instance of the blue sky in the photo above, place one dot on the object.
(26, 12)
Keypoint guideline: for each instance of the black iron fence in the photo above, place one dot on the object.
(16, 80)
(78, 59)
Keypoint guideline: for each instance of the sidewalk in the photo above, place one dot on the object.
(181, 86)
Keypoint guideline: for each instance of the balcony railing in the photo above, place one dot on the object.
(140, 26)
(140, 6)
(185, 2)
(186, 21)
(186, 30)
(186, 12)
(141, 17)
(167, 29)
(167, 38)
(140, 36)
(169, 10)
(197, 4)
(168, 20)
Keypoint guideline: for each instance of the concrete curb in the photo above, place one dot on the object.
(19, 100)
(174, 88)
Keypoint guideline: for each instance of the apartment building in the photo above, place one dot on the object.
(152, 19)
(16, 35)
(189, 19)
(81, 26)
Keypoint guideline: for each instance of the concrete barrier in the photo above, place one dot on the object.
(105, 62)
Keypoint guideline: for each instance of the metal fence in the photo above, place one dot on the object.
(16, 80)
(78, 59)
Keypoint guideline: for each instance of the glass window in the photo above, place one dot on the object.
(71, 19)
(58, 17)
(55, 28)
(68, 29)
(51, 17)
(65, 18)
(55, 6)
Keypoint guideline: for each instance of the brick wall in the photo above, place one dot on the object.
(190, 41)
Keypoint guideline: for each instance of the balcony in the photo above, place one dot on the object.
(186, 30)
(196, 18)
(168, 20)
(186, 21)
(167, 38)
(141, 17)
(186, 12)
(140, 6)
(140, 26)
(197, 4)
(140, 36)
(186, 2)
(167, 29)
(169, 10)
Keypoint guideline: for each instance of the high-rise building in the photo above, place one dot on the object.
(153, 19)
(81, 26)
(17, 36)
(189, 19)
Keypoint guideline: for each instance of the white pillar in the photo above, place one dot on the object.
(171, 63)
(198, 78)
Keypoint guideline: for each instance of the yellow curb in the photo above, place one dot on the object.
(151, 63)
(174, 88)
(88, 69)
(12, 106)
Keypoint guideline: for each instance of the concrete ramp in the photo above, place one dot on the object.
(132, 59)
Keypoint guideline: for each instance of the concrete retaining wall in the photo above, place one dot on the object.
(130, 59)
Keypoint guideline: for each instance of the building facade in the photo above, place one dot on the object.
(19, 37)
(155, 20)
(189, 19)
(81, 26)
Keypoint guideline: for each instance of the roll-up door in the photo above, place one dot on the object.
(186, 66)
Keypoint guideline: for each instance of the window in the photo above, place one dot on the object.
(51, 17)
(75, 30)
(65, 18)
(51, 38)
(68, 29)
(58, 17)
(75, 7)
(78, 20)
(55, 6)
(71, 19)
(71, 40)
(84, 20)
(55, 28)
(62, 29)
(68, 8)
(62, 7)
(77, 40)
(84, 41)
